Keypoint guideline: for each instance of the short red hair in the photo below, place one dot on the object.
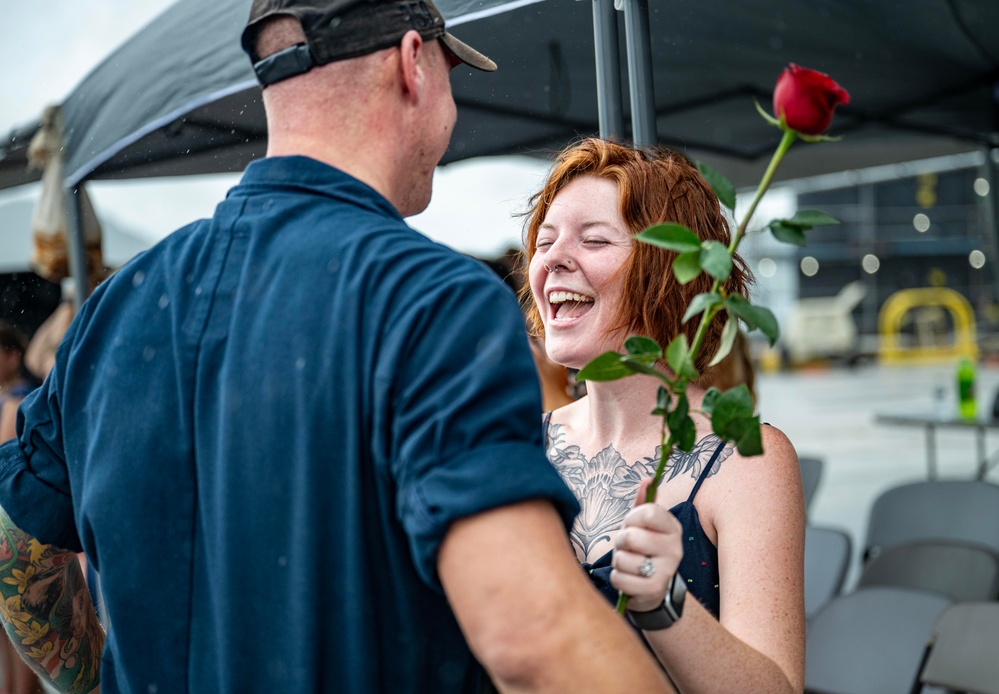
(656, 185)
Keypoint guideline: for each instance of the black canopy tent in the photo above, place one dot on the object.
(179, 98)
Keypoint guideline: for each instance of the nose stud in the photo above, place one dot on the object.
(565, 263)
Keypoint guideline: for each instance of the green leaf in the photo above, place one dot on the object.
(732, 419)
(607, 367)
(729, 332)
(663, 399)
(684, 434)
(678, 358)
(711, 396)
(812, 218)
(687, 266)
(701, 303)
(672, 237)
(746, 435)
(755, 317)
(636, 344)
(681, 410)
(734, 403)
(716, 260)
(681, 426)
(788, 233)
(722, 186)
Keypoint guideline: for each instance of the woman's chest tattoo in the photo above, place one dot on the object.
(606, 483)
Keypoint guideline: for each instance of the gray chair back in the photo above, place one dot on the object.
(957, 510)
(811, 474)
(827, 559)
(963, 654)
(870, 641)
(960, 571)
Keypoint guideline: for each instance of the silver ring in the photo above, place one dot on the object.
(647, 567)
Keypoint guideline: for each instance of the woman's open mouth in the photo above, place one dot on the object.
(567, 306)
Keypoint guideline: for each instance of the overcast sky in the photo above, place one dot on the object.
(48, 46)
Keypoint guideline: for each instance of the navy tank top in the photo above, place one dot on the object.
(699, 566)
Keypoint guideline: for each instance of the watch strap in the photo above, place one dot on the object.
(667, 614)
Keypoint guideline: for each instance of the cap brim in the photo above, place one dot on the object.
(467, 54)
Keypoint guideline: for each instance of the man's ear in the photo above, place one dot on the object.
(411, 70)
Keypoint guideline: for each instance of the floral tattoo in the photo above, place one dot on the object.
(606, 484)
(47, 611)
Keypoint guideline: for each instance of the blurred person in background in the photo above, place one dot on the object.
(15, 675)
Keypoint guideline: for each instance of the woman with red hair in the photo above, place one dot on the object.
(727, 530)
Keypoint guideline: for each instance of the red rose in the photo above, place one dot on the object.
(806, 99)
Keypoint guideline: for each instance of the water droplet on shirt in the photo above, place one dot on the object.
(148, 353)
(138, 278)
(164, 301)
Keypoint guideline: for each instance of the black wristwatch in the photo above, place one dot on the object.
(666, 614)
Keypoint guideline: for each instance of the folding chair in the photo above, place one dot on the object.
(958, 510)
(960, 571)
(963, 654)
(870, 641)
(811, 474)
(827, 558)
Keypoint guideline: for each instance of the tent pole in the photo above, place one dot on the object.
(639, 43)
(75, 246)
(608, 58)
(991, 234)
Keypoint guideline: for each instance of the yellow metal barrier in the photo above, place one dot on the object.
(900, 303)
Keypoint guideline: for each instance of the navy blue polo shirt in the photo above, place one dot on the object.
(259, 432)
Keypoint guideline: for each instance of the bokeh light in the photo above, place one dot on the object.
(766, 267)
(809, 266)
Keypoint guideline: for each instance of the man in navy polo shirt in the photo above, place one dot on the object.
(299, 441)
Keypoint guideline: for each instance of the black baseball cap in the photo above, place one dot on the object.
(342, 29)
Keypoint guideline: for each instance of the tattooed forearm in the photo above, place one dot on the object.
(47, 611)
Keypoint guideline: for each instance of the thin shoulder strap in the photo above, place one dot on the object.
(544, 427)
(706, 471)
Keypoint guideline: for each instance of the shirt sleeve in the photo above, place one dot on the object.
(467, 413)
(34, 480)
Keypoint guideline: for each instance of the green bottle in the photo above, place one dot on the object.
(966, 388)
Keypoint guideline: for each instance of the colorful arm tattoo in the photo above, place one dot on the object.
(47, 611)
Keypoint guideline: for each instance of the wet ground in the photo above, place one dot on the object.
(830, 413)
